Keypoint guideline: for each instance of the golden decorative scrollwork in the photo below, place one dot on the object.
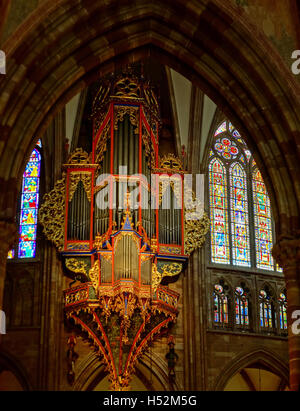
(76, 266)
(121, 111)
(151, 100)
(77, 296)
(85, 178)
(175, 184)
(102, 144)
(125, 310)
(79, 157)
(52, 212)
(169, 270)
(99, 239)
(153, 245)
(94, 275)
(120, 383)
(106, 306)
(100, 102)
(171, 163)
(150, 153)
(146, 257)
(195, 233)
(196, 224)
(127, 86)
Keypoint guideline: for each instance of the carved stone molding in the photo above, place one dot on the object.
(286, 252)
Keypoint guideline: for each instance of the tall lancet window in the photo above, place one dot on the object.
(219, 212)
(239, 216)
(241, 308)
(266, 311)
(240, 213)
(220, 305)
(282, 302)
(28, 207)
(262, 222)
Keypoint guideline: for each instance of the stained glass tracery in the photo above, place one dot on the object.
(226, 148)
(265, 310)
(219, 213)
(221, 129)
(262, 222)
(241, 307)
(244, 200)
(239, 216)
(220, 305)
(29, 206)
(282, 311)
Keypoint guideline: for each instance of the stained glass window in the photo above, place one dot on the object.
(262, 223)
(29, 207)
(238, 197)
(265, 310)
(220, 305)
(248, 154)
(282, 311)
(241, 307)
(219, 213)
(221, 129)
(227, 148)
(239, 216)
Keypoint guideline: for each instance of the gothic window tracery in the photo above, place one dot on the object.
(241, 307)
(220, 305)
(266, 310)
(219, 212)
(282, 303)
(240, 213)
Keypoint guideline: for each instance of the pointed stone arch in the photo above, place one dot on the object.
(260, 356)
(90, 372)
(9, 363)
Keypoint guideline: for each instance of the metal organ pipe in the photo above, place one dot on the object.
(79, 215)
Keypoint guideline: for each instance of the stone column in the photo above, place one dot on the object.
(195, 323)
(8, 236)
(287, 254)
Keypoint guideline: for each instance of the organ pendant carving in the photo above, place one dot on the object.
(122, 229)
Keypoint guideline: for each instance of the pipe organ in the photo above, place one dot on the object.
(118, 219)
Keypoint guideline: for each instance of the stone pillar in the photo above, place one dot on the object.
(287, 254)
(8, 236)
(195, 323)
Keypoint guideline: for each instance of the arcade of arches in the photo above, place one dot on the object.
(214, 65)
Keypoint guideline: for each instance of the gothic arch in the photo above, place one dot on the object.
(87, 370)
(93, 38)
(9, 363)
(261, 356)
(90, 372)
(271, 287)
